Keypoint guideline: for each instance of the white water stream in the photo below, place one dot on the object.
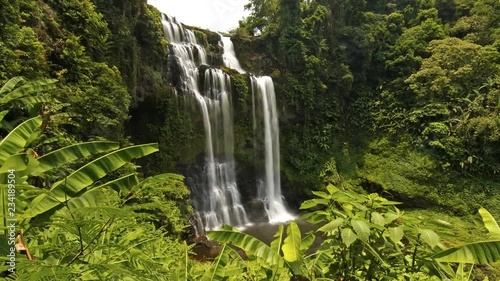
(221, 203)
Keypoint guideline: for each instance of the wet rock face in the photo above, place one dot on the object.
(195, 180)
(173, 75)
(256, 210)
(293, 197)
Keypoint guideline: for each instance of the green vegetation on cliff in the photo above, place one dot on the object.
(399, 96)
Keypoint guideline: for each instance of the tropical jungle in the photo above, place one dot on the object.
(319, 140)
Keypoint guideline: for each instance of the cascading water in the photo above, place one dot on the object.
(216, 196)
(175, 32)
(229, 55)
(265, 118)
(225, 204)
(264, 105)
(219, 199)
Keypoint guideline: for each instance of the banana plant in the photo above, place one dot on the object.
(91, 236)
(18, 161)
(482, 252)
(27, 163)
(78, 181)
(17, 140)
(28, 94)
(227, 264)
(287, 250)
(15, 159)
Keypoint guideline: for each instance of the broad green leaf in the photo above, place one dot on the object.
(321, 194)
(306, 243)
(19, 163)
(378, 219)
(332, 189)
(490, 223)
(359, 206)
(347, 208)
(217, 270)
(332, 226)
(2, 115)
(278, 240)
(31, 101)
(251, 245)
(124, 183)
(86, 175)
(18, 138)
(429, 237)
(348, 236)
(28, 89)
(342, 197)
(71, 153)
(291, 247)
(476, 253)
(313, 203)
(390, 217)
(395, 233)
(9, 85)
(91, 198)
(98, 168)
(362, 229)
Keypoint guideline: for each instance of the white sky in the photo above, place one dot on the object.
(216, 15)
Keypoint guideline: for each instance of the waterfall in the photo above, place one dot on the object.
(215, 195)
(229, 55)
(175, 32)
(264, 106)
(264, 102)
(224, 197)
(218, 202)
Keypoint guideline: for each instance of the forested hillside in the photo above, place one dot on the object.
(400, 96)
(379, 102)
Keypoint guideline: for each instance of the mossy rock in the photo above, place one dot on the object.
(252, 53)
(211, 41)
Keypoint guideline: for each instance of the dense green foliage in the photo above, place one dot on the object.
(401, 96)
(110, 58)
(86, 223)
(362, 237)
